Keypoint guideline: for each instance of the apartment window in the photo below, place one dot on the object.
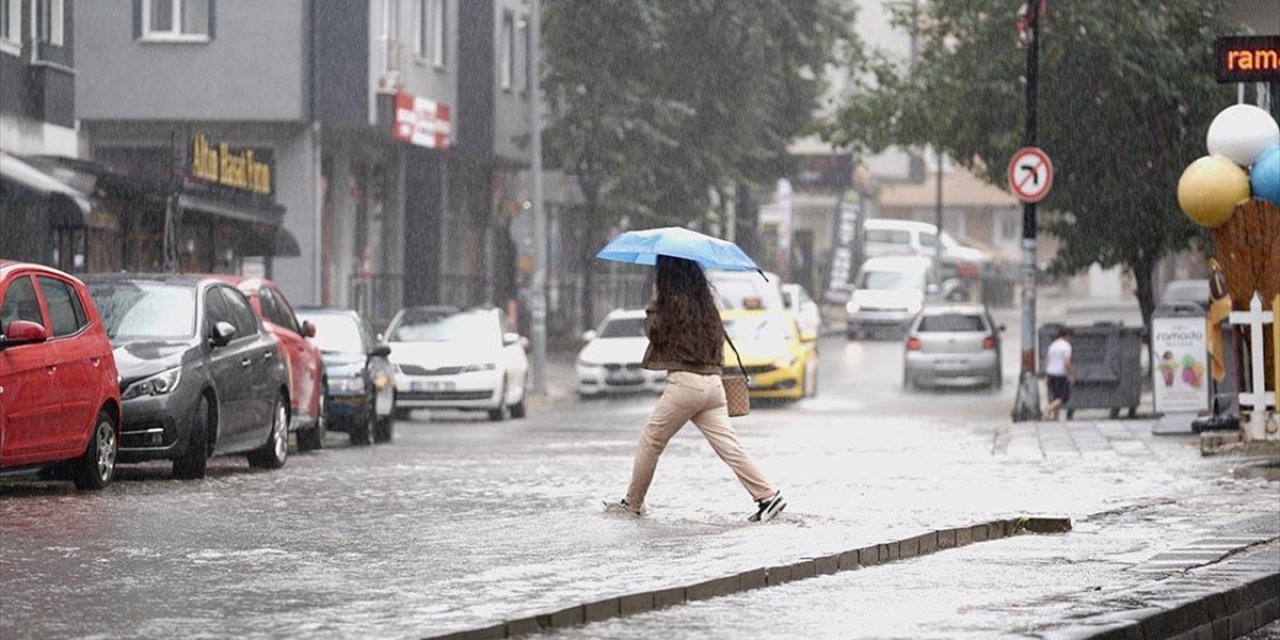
(527, 51)
(432, 29)
(11, 22)
(176, 19)
(48, 21)
(507, 50)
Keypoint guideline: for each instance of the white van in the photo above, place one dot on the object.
(889, 292)
(885, 237)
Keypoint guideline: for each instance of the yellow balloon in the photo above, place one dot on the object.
(1210, 188)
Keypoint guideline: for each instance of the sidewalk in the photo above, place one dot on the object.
(851, 483)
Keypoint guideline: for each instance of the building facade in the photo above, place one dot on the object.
(305, 139)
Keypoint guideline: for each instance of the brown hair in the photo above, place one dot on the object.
(690, 323)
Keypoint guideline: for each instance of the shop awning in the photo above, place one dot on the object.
(67, 206)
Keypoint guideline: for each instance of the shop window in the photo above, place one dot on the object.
(177, 19)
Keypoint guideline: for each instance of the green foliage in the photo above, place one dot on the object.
(660, 102)
(1126, 93)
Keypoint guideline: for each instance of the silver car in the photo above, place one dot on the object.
(953, 343)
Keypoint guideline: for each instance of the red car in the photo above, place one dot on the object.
(59, 389)
(304, 364)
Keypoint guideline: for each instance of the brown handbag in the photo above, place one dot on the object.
(736, 388)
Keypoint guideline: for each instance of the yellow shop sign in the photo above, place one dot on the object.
(235, 168)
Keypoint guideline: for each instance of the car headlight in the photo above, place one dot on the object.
(587, 363)
(488, 366)
(852, 307)
(354, 384)
(914, 308)
(156, 385)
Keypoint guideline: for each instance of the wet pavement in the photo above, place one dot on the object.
(461, 523)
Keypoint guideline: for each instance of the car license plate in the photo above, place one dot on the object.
(950, 364)
(432, 386)
(619, 377)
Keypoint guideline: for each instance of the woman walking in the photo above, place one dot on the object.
(686, 338)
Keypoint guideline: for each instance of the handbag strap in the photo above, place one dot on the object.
(735, 354)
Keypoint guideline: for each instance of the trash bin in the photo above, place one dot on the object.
(1108, 363)
(1180, 371)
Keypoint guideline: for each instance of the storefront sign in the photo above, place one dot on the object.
(422, 122)
(241, 169)
(1247, 58)
(1179, 367)
(844, 237)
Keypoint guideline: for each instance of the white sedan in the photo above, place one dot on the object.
(610, 361)
(450, 359)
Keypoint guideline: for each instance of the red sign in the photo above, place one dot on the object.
(1030, 174)
(421, 121)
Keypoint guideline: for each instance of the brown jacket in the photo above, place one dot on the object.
(672, 349)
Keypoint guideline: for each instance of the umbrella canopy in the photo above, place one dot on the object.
(644, 247)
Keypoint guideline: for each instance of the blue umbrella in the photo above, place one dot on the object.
(644, 247)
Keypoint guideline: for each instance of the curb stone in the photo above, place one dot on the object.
(850, 560)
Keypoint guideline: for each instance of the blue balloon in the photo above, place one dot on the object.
(1264, 179)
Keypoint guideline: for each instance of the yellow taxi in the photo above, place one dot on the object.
(780, 364)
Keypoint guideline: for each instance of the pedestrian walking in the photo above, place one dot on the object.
(1060, 371)
(686, 339)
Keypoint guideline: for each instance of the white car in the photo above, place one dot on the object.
(450, 359)
(890, 291)
(747, 290)
(610, 360)
(804, 309)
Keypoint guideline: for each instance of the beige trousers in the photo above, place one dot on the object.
(700, 398)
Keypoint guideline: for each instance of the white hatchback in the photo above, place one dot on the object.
(610, 360)
(450, 359)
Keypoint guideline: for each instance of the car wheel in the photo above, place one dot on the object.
(401, 413)
(275, 452)
(503, 412)
(192, 464)
(95, 469)
(313, 438)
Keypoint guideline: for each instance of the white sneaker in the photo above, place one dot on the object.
(768, 508)
(621, 506)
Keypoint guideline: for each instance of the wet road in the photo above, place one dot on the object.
(460, 521)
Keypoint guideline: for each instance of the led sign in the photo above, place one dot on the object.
(1247, 58)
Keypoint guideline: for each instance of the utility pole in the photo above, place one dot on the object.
(539, 302)
(1027, 405)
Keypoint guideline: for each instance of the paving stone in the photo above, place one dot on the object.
(947, 539)
(602, 610)
(566, 617)
(713, 588)
(754, 579)
(826, 565)
(635, 603)
(848, 561)
(495, 632)
(929, 543)
(523, 626)
(779, 574)
(909, 548)
(869, 556)
(803, 569)
(668, 597)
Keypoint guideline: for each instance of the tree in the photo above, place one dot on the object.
(1126, 92)
(659, 103)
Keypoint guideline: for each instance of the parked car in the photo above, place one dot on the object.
(1183, 291)
(609, 362)
(953, 343)
(889, 292)
(303, 361)
(804, 309)
(747, 290)
(199, 375)
(888, 237)
(780, 364)
(451, 359)
(59, 389)
(362, 391)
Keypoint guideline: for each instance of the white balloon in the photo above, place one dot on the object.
(1241, 132)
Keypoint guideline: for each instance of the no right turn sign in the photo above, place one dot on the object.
(1030, 174)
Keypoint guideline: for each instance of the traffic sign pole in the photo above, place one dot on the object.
(1027, 404)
